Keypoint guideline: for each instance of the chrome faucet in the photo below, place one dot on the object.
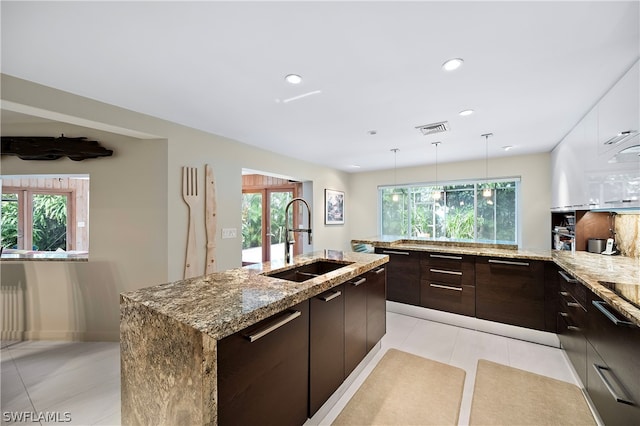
(290, 232)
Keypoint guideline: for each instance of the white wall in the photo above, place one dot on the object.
(535, 198)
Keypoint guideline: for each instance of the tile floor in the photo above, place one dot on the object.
(83, 378)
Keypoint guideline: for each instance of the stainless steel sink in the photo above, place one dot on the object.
(308, 271)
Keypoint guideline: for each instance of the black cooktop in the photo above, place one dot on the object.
(629, 292)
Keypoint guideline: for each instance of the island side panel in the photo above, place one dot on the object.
(167, 370)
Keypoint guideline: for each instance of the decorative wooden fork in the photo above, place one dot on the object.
(191, 197)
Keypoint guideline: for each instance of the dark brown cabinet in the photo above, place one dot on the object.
(263, 371)
(447, 283)
(326, 346)
(551, 296)
(355, 322)
(365, 319)
(613, 364)
(572, 322)
(403, 275)
(510, 291)
(376, 305)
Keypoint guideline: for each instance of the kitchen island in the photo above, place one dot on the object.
(169, 333)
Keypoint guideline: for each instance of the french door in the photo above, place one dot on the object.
(263, 224)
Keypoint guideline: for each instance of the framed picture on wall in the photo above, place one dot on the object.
(333, 207)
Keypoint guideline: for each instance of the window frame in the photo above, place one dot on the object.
(478, 184)
(25, 214)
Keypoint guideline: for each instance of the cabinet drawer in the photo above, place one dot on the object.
(574, 344)
(448, 268)
(617, 341)
(572, 286)
(450, 298)
(570, 308)
(613, 400)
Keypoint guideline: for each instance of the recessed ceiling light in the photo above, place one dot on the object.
(452, 64)
(466, 112)
(373, 132)
(355, 166)
(293, 79)
(507, 147)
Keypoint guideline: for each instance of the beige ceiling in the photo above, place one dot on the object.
(531, 70)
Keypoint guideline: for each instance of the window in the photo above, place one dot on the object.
(456, 211)
(45, 213)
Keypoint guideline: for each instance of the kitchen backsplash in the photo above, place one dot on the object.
(628, 234)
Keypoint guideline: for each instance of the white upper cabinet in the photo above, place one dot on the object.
(587, 171)
(618, 113)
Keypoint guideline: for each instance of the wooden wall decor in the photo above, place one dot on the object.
(51, 148)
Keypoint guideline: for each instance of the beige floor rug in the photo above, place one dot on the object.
(405, 389)
(505, 395)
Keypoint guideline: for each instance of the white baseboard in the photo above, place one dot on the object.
(512, 331)
(73, 336)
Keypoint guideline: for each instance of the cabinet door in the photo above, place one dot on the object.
(569, 187)
(510, 291)
(617, 343)
(403, 275)
(263, 371)
(551, 289)
(326, 346)
(376, 306)
(355, 322)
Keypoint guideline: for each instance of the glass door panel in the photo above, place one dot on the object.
(252, 208)
(278, 201)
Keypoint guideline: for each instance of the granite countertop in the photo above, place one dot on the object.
(595, 271)
(222, 303)
(456, 247)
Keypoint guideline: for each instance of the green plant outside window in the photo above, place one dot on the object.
(452, 211)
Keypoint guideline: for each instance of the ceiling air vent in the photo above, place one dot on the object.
(430, 129)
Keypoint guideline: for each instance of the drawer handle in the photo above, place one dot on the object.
(444, 256)
(357, 283)
(599, 371)
(406, 253)
(564, 293)
(446, 287)
(379, 271)
(601, 307)
(564, 314)
(567, 278)
(573, 328)
(508, 262)
(274, 326)
(442, 271)
(331, 296)
(574, 305)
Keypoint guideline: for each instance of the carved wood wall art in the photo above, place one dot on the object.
(51, 148)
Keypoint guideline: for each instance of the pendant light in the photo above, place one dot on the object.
(486, 192)
(437, 194)
(395, 197)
